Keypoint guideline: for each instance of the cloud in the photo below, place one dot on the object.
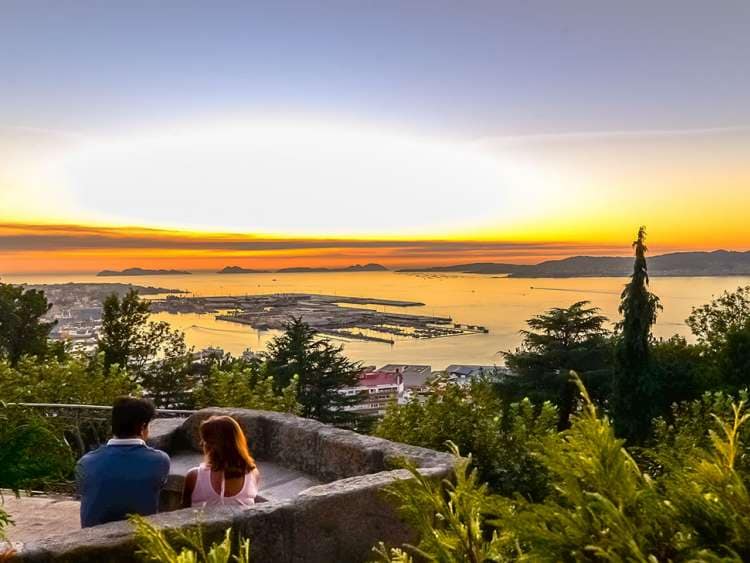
(614, 135)
(22, 238)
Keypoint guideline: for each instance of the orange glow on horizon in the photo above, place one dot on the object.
(40, 248)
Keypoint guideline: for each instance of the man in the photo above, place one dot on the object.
(125, 476)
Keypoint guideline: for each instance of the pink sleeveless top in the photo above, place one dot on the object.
(205, 495)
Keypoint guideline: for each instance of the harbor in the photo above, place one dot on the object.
(351, 318)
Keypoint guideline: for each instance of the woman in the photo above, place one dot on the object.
(228, 476)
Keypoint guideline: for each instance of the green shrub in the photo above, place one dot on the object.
(245, 388)
(75, 380)
(5, 521)
(33, 453)
(602, 506)
(453, 516)
(502, 441)
(185, 546)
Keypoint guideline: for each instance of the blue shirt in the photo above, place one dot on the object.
(120, 479)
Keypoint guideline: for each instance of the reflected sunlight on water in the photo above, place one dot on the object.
(500, 304)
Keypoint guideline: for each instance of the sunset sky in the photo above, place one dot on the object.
(181, 134)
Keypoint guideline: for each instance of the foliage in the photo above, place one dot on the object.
(732, 359)
(153, 354)
(560, 340)
(321, 367)
(633, 387)
(124, 338)
(452, 513)
(185, 546)
(22, 330)
(722, 328)
(33, 453)
(501, 440)
(5, 521)
(245, 388)
(602, 505)
(686, 430)
(76, 380)
(169, 377)
(680, 373)
(711, 323)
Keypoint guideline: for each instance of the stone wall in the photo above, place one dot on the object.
(338, 521)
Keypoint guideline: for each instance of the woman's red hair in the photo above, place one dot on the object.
(226, 446)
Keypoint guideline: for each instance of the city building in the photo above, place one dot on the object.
(375, 390)
(464, 374)
(415, 379)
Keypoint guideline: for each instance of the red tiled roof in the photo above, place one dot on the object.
(373, 378)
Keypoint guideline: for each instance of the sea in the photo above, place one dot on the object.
(500, 304)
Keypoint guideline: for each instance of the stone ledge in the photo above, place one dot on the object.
(337, 521)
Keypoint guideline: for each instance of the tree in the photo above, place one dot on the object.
(722, 328)
(321, 367)
(633, 388)
(712, 322)
(558, 341)
(154, 354)
(124, 338)
(22, 330)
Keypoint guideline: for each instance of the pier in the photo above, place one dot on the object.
(328, 314)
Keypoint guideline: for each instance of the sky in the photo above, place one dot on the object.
(195, 135)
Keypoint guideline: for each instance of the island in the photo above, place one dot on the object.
(141, 272)
(354, 268)
(241, 270)
(716, 263)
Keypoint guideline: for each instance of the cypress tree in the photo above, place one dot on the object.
(634, 390)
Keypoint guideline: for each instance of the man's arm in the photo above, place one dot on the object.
(79, 477)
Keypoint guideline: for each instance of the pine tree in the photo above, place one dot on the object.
(634, 390)
(321, 367)
(558, 341)
(22, 330)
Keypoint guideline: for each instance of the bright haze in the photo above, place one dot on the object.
(196, 135)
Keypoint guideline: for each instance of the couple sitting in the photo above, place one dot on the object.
(126, 476)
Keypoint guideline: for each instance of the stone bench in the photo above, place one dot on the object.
(322, 486)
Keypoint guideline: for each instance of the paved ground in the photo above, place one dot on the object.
(276, 481)
(39, 516)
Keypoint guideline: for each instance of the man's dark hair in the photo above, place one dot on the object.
(129, 415)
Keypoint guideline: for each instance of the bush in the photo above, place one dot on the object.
(185, 546)
(502, 441)
(245, 388)
(455, 513)
(75, 380)
(33, 453)
(602, 505)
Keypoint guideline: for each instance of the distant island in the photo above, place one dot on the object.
(140, 272)
(305, 270)
(240, 270)
(354, 268)
(716, 263)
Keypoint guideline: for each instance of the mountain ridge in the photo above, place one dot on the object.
(700, 263)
